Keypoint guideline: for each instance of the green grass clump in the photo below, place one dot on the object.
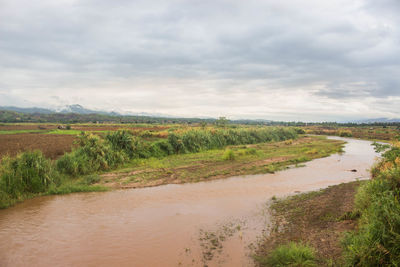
(228, 155)
(345, 133)
(29, 172)
(292, 254)
(94, 154)
(377, 240)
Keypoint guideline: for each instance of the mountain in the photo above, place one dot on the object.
(78, 109)
(27, 110)
(379, 120)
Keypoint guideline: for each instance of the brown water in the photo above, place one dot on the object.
(160, 226)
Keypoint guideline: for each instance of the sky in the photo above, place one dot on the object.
(297, 60)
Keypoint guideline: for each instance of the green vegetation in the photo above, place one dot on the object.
(345, 133)
(377, 240)
(21, 131)
(228, 155)
(59, 131)
(380, 147)
(291, 254)
(27, 173)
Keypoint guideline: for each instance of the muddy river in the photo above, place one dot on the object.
(214, 223)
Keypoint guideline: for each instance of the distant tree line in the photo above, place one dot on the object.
(15, 117)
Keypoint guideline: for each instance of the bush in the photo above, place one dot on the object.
(300, 130)
(345, 133)
(29, 172)
(228, 155)
(292, 254)
(377, 240)
(94, 154)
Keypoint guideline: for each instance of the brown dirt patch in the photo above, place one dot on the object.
(52, 146)
(115, 127)
(94, 127)
(11, 127)
(313, 218)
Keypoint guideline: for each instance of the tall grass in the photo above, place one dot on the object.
(94, 154)
(377, 240)
(29, 172)
(291, 254)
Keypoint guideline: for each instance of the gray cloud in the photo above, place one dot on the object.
(262, 59)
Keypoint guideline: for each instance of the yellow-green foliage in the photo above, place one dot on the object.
(377, 240)
(345, 133)
(291, 254)
(228, 155)
(29, 172)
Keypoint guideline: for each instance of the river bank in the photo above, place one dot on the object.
(318, 219)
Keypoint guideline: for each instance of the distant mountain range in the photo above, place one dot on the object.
(78, 109)
(378, 120)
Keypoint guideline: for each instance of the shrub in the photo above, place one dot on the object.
(377, 240)
(94, 154)
(292, 254)
(228, 155)
(29, 172)
(300, 130)
(345, 133)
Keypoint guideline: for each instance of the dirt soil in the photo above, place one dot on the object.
(52, 146)
(10, 127)
(94, 127)
(315, 218)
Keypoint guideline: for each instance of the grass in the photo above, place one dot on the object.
(291, 254)
(376, 242)
(317, 218)
(59, 131)
(21, 131)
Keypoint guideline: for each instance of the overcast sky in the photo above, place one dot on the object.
(308, 60)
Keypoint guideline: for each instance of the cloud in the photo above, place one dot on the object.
(202, 58)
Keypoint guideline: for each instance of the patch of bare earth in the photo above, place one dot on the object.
(52, 145)
(314, 218)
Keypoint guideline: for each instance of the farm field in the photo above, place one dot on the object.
(52, 146)
(54, 142)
